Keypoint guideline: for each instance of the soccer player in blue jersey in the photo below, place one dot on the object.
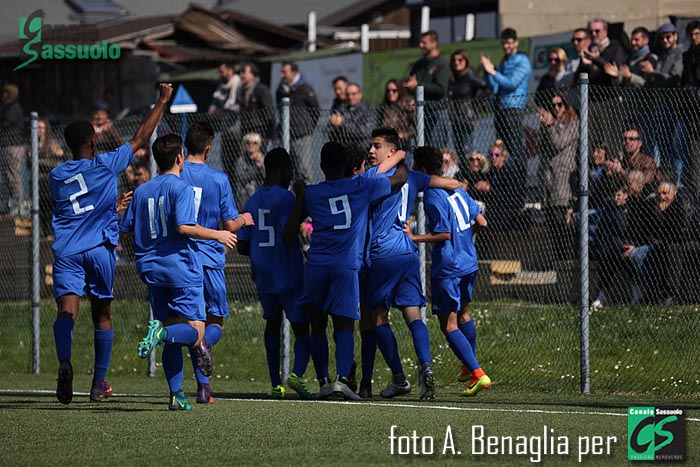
(339, 209)
(84, 191)
(162, 217)
(454, 262)
(277, 266)
(213, 203)
(393, 277)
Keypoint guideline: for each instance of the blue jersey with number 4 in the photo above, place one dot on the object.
(452, 212)
(276, 267)
(84, 192)
(339, 209)
(163, 256)
(213, 202)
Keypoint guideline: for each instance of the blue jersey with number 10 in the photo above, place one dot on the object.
(163, 256)
(339, 210)
(84, 192)
(452, 212)
(213, 202)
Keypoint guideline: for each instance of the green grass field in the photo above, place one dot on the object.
(639, 357)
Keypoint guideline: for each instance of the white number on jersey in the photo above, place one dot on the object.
(77, 208)
(266, 228)
(197, 200)
(404, 203)
(462, 214)
(344, 209)
(152, 216)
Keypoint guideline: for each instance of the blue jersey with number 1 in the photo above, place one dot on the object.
(163, 256)
(213, 202)
(84, 192)
(339, 210)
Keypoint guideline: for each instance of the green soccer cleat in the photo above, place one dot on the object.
(277, 392)
(155, 337)
(178, 401)
(482, 383)
(426, 380)
(298, 385)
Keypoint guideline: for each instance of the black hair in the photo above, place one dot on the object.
(78, 134)
(277, 158)
(292, 65)
(390, 135)
(253, 68)
(641, 30)
(354, 156)
(165, 151)
(509, 33)
(428, 159)
(432, 34)
(199, 136)
(692, 26)
(339, 78)
(333, 158)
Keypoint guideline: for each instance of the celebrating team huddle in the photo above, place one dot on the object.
(362, 260)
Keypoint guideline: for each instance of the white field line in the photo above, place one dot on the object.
(373, 404)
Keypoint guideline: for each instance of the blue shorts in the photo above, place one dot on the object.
(335, 291)
(90, 272)
(273, 304)
(177, 302)
(393, 281)
(215, 300)
(450, 294)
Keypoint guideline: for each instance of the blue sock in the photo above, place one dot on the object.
(368, 352)
(182, 334)
(103, 352)
(212, 334)
(421, 340)
(201, 379)
(173, 365)
(63, 336)
(389, 348)
(319, 354)
(460, 346)
(272, 347)
(344, 352)
(302, 352)
(469, 331)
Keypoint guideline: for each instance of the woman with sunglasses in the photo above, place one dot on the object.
(503, 189)
(463, 87)
(397, 110)
(554, 78)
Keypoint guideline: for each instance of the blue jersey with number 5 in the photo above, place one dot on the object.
(276, 267)
(339, 209)
(452, 212)
(84, 193)
(163, 256)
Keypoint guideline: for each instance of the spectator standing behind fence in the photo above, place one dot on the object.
(691, 57)
(255, 104)
(340, 101)
(398, 111)
(506, 196)
(51, 155)
(354, 124)
(106, 134)
(12, 150)
(509, 85)
(554, 79)
(224, 98)
(558, 147)
(631, 74)
(668, 70)
(463, 87)
(433, 73)
(640, 202)
(477, 176)
(250, 168)
(603, 50)
(581, 39)
(304, 111)
(450, 166)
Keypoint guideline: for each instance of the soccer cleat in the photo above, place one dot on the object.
(341, 388)
(352, 378)
(464, 374)
(64, 388)
(323, 381)
(326, 390)
(277, 392)
(482, 383)
(100, 391)
(426, 381)
(178, 401)
(204, 362)
(365, 389)
(395, 389)
(298, 385)
(155, 337)
(204, 394)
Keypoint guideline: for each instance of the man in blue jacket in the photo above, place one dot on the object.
(509, 85)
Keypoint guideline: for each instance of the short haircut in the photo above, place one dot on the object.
(253, 68)
(199, 136)
(277, 159)
(77, 135)
(641, 30)
(292, 65)
(390, 135)
(354, 156)
(229, 65)
(428, 159)
(692, 26)
(355, 84)
(432, 34)
(165, 151)
(12, 89)
(333, 157)
(598, 20)
(339, 78)
(509, 33)
(583, 30)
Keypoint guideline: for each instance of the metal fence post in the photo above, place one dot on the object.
(583, 234)
(36, 260)
(151, 370)
(285, 123)
(420, 141)
(285, 323)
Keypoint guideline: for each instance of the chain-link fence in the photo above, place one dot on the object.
(522, 165)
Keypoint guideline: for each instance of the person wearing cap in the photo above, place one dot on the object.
(669, 68)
